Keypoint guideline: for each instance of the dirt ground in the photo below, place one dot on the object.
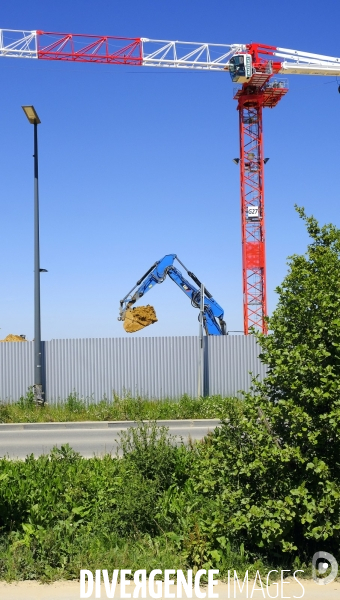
(13, 338)
(69, 590)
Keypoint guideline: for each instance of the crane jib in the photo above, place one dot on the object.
(140, 51)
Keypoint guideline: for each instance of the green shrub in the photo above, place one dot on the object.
(154, 453)
(26, 401)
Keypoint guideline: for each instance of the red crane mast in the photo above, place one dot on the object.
(255, 94)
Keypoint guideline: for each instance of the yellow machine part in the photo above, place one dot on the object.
(13, 338)
(139, 317)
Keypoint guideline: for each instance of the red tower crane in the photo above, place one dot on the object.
(257, 92)
(257, 69)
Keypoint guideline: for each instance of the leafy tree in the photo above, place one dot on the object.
(303, 352)
(270, 477)
(300, 397)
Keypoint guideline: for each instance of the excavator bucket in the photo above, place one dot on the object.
(139, 317)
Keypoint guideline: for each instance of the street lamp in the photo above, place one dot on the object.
(33, 118)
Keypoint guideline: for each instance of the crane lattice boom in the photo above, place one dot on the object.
(115, 50)
(153, 53)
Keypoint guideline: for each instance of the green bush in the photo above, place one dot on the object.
(60, 511)
(154, 453)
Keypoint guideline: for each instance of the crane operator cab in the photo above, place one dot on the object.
(240, 68)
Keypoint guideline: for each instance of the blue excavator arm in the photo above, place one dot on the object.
(213, 313)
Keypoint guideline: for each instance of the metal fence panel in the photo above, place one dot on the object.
(156, 367)
(152, 367)
(229, 362)
(16, 369)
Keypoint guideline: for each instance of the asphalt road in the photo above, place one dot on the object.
(88, 438)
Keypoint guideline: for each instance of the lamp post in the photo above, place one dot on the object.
(200, 387)
(33, 118)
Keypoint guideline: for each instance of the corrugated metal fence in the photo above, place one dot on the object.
(159, 367)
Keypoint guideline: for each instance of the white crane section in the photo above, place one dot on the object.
(18, 44)
(188, 55)
(304, 63)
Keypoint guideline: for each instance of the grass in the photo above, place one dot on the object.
(119, 409)
(18, 562)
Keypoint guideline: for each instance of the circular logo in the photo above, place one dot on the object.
(320, 564)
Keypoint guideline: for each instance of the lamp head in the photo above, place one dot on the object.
(31, 114)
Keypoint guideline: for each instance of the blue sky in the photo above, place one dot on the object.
(136, 163)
